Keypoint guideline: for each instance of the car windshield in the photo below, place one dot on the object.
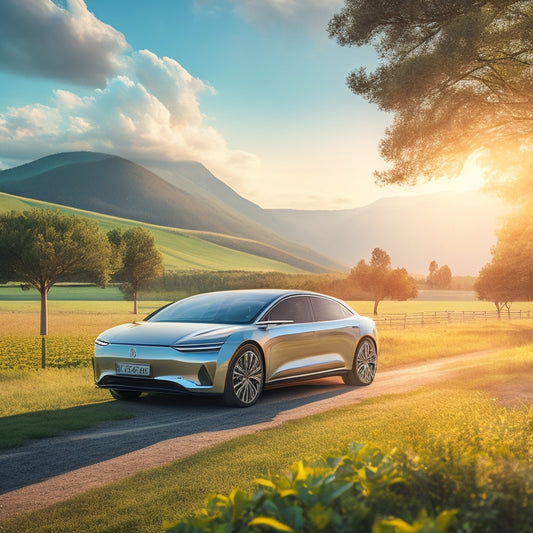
(215, 308)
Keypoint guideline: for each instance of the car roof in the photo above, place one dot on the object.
(275, 293)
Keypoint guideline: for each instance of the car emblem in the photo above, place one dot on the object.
(133, 352)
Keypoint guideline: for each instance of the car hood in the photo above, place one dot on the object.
(167, 333)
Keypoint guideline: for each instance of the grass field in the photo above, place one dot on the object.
(460, 422)
(36, 403)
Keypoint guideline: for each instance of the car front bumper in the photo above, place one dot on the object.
(155, 368)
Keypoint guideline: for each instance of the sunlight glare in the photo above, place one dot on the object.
(472, 177)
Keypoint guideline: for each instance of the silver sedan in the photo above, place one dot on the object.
(236, 343)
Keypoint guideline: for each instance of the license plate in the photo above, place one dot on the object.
(129, 369)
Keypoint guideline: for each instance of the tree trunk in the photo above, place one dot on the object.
(44, 325)
(44, 311)
(134, 301)
(376, 303)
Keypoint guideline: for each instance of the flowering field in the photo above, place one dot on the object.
(70, 342)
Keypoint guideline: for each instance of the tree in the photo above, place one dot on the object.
(41, 247)
(381, 280)
(496, 284)
(455, 75)
(139, 259)
(509, 275)
(439, 278)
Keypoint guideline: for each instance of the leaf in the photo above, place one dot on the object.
(240, 501)
(265, 483)
(270, 522)
(443, 520)
(288, 492)
(393, 525)
(339, 491)
(302, 472)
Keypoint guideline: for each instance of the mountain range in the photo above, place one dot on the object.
(457, 229)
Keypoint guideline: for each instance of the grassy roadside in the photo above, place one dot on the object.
(455, 418)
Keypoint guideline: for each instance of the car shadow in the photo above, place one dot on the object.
(156, 418)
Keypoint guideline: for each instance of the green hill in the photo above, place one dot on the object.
(181, 250)
(112, 185)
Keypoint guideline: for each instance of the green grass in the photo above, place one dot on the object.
(13, 293)
(17, 429)
(448, 421)
(181, 250)
(45, 403)
(31, 393)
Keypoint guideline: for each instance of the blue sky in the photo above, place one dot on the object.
(253, 89)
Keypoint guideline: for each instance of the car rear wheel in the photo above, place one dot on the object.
(125, 394)
(364, 366)
(245, 378)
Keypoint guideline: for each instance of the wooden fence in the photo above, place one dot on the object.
(407, 320)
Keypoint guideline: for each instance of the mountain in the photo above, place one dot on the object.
(453, 228)
(457, 229)
(115, 186)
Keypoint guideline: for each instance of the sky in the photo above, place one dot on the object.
(253, 89)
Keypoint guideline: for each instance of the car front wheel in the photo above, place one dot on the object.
(245, 378)
(364, 367)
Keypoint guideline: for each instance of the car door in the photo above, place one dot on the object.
(337, 330)
(291, 341)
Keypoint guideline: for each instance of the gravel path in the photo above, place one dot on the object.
(166, 429)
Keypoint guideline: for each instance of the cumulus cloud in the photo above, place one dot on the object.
(150, 113)
(141, 106)
(42, 39)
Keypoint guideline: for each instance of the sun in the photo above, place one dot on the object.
(472, 177)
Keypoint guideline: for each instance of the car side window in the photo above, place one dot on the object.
(325, 309)
(295, 309)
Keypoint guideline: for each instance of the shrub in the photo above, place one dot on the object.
(366, 490)
(358, 491)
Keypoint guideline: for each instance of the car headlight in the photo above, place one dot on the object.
(199, 347)
(100, 342)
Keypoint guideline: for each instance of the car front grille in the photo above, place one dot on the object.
(140, 384)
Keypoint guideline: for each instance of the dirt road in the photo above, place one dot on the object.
(166, 429)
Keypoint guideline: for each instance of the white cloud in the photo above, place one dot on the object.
(150, 113)
(311, 15)
(42, 39)
(141, 107)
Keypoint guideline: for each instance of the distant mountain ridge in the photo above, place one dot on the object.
(452, 228)
(116, 186)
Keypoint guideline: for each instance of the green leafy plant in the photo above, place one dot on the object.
(357, 491)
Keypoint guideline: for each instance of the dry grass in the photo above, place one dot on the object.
(406, 346)
(421, 306)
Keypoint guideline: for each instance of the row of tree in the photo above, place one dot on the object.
(39, 248)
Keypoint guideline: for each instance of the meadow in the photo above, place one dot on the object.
(461, 420)
(181, 249)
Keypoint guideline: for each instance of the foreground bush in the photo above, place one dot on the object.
(366, 490)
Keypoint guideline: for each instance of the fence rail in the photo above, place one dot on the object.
(407, 320)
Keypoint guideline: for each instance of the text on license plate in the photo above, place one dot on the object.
(130, 369)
